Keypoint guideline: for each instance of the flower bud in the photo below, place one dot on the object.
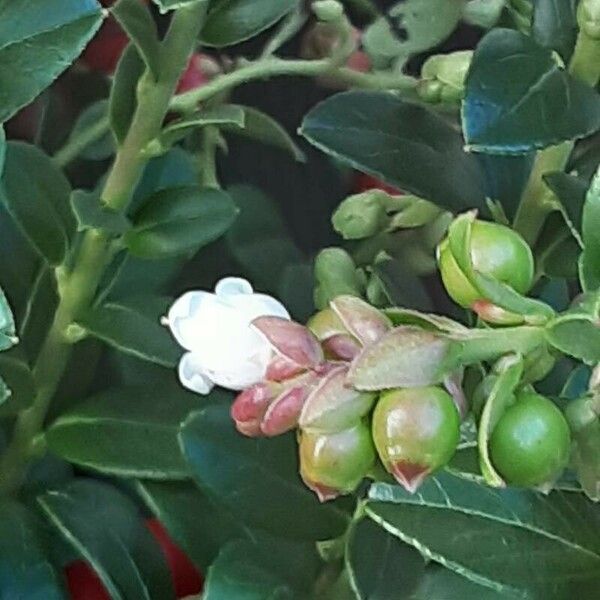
(495, 251)
(361, 216)
(332, 464)
(335, 340)
(416, 431)
(449, 71)
(336, 275)
(531, 443)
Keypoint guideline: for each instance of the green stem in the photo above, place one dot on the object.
(75, 146)
(207, 159)
(538, 200)
(78, 287)
(273, 67)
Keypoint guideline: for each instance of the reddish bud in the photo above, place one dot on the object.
(291, 340)
(199, 71)
(283, 413)
(364, 182)
(342, 347)
(104, 51)
(280, 369)
(249, 408)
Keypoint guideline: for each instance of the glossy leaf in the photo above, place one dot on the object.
(519, 99)
(555, 25)
(404, 144)
(17, 376)
(39, 203)
(25, 568)
(500, 398)
(105, 527)
(198, 526)
(134, 431)
(232, 21)
(519, 543)
(136, 20)
(589, 266)
(256, 479)
(179, 221)
(237, 574)
(133, 327)
(221, 115)
(263, 128)
(123, 93)
(36, 46)
(99, 149)
(90, 213)
(2, 148)
(7, 324)
(167, 5)
(380, 566)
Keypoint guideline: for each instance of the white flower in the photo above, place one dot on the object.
(222, 346)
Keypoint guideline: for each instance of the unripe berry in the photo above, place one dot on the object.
(496, 251)
(531, 443)
(416, 431)
(332, 464)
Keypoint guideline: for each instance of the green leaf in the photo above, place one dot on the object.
(401, 285)
(232, 21)
(7, 324)
(39, 203)
(236, 574)
(221, 115)
(571, 192)
(36, 46)
(518, 98)
(136, 20)
(134, 431)
(123, 94)
(263, 128)
(256, 479)
(259, 239)
(519, 543)
(379, 565)
(404, 144)
(167, 5)
(90, 117)
(179, 221)
(2, 149)
(90, 213)
(410, 27)
(500, 398)
(18, 377)
(25, 568)
(589, 265)
(555, 25)
(105, 528)
(198, 526)
(133, 326)
(577, 335)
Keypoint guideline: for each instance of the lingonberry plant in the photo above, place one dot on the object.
(300, 299)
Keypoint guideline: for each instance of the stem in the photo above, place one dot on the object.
(75, 146)
(272, 67)
(538, 200)
(207, 159)
(78, 287)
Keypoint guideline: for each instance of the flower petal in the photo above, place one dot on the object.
(233, 286)
(257, 305)
(192, 377)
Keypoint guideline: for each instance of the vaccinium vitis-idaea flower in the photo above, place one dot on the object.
(223, 347)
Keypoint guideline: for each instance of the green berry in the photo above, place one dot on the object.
(416, 431)
(332, 464)
(496, 251)
(531, 443)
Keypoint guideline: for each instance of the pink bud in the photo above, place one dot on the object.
(292, 341)
(364, 322)
(342, 347)
(280, 369)
(249, 408)
(495, 314)
(410, 476)
(283, 413)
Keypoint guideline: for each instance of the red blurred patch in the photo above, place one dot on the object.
(193, 76)
(83, 583)
(186, 578)
(104, 51)
(364, 182)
